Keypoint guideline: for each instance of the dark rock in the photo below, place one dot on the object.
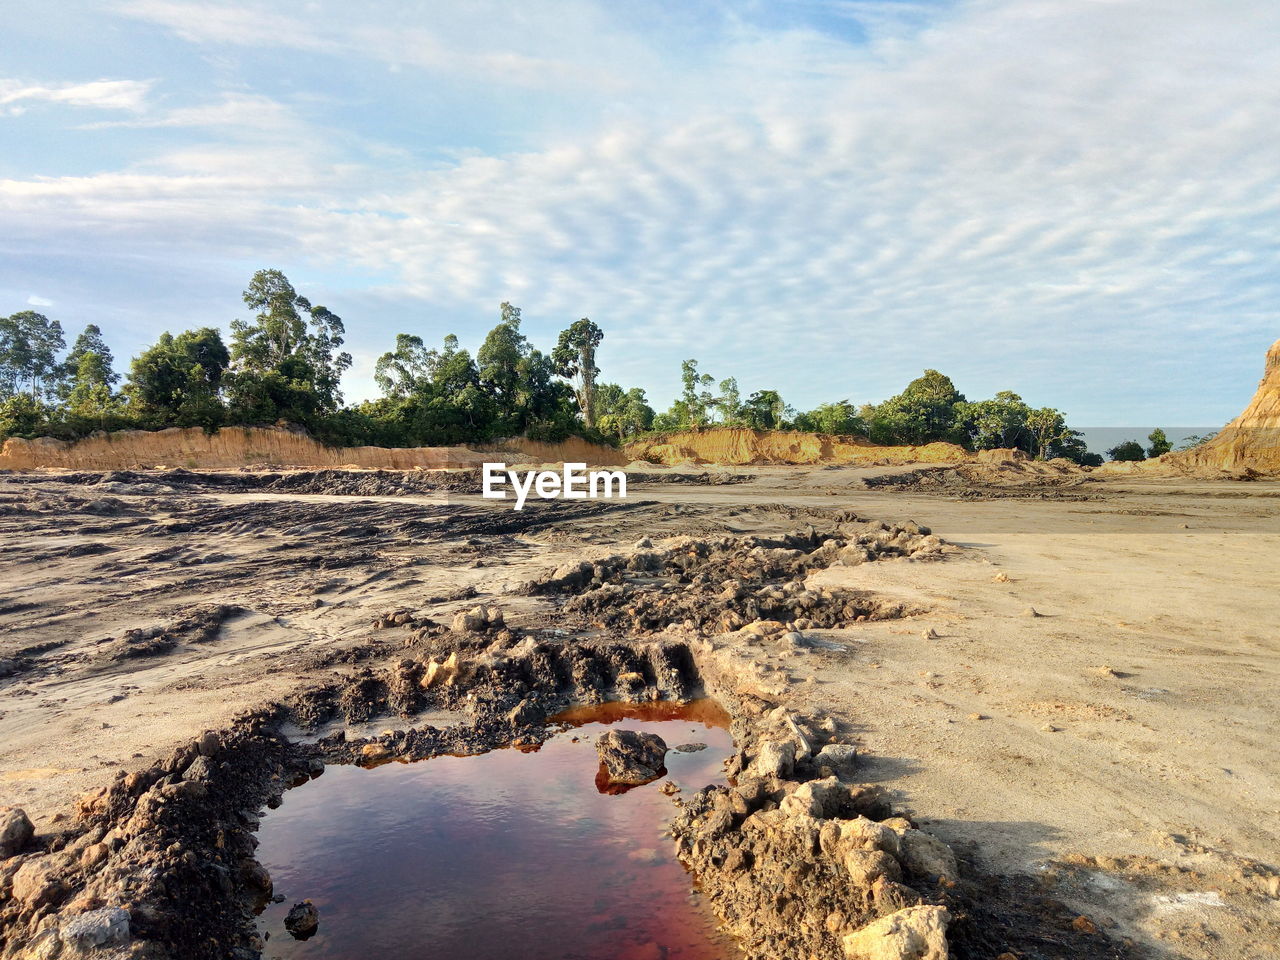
(630, 757)
(302, 920)
(16, 831)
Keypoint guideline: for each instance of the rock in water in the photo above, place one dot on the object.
(303, 920)
(631, 758)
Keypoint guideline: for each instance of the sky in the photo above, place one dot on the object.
(1078, 200)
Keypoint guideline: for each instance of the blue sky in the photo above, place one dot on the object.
(1075, 199)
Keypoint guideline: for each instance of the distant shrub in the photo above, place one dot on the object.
(1128, 451)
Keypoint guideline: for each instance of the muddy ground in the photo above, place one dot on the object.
(1069, 682)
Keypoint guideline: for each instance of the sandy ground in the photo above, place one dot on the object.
(1088, 698)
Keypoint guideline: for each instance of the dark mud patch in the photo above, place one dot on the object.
(970, 483)
(727, 583)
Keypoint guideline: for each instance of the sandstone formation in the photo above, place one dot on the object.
(1247, 446)
(1252, 440)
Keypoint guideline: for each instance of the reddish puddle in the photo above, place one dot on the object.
(503, 855)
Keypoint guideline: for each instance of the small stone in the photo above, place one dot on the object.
(375, 751)
(96, 928)
(775, 758)
(199, 769)
(840, 758)
(1049, 728)
(1032, 612)
(35, 885)
(93, 855)
(925, 855)
(930, 634)
(1000, 577)
(16, 831)
(916, 933)
(525, 713)
(978, 716)
(866, 866)
(1083, 924)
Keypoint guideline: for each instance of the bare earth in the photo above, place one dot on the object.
(1087, 698)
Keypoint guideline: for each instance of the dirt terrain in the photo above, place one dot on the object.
(1069, 680)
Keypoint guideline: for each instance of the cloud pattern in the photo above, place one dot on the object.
(1076, 201)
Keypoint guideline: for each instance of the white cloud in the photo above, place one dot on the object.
(97, 94)
(1041, 194)
(36, 301)
(237, 113)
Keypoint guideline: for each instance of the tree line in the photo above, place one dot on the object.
(286, 363)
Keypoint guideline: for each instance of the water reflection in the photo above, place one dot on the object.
(507, 854)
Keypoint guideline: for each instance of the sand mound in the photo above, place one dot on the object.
(233, 447)
(1249, 445)
(740, 447)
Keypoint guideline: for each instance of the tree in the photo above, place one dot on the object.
(924, 411)
(695, 398)
(622, 414)
(282, 364)
(729, 402)
(178, 379)
(90, 396)
(1000, 422)
(764, 410)
(840, 417)
(1128, 451)
(1159, 443)
(29, 345)
(91, 341)
(405, 370)
(1050, 435)
(575, 358)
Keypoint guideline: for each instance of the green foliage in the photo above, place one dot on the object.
(177, 381)
(1159, 443)
(925, 411)
(285, 363)
(90, 341)
(1000, 422)
(622, 413)
(840, 418)
(763, 410)
(1196, 440)
(29, 345)
(1128, 451)
(21, 415)
(575, 358)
